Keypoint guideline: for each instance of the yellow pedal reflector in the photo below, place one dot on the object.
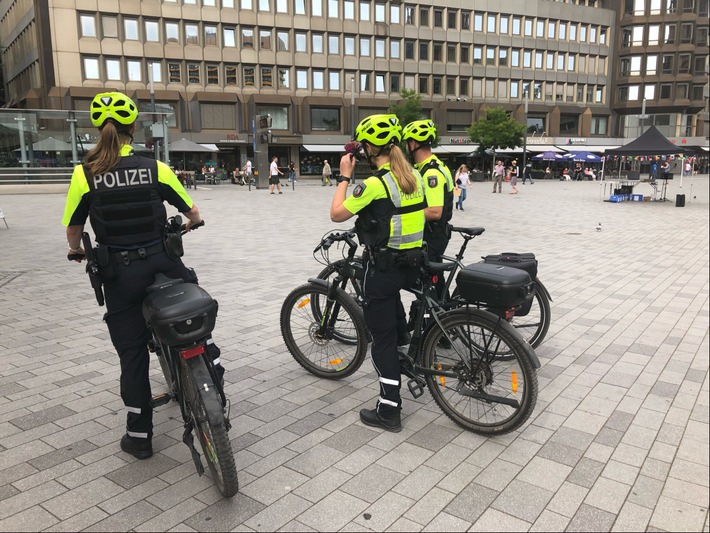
(514, 381)
(335, 361)
(303, 303)
(442, 379)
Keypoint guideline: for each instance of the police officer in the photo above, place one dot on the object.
(419, 136)
(122, 194)
(390, 208)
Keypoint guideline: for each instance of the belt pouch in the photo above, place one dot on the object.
(107, 265)
(173, 246)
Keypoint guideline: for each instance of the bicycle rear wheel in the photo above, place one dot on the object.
(495, 388)
(534, 325)
(203, 402)
(337, 348)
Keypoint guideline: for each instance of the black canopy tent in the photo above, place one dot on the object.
(651, 142)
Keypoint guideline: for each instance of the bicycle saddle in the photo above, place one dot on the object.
(469, 231)
(163, 282)
(433, 267)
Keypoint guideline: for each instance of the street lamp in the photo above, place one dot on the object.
(352, 103)
(526, 92)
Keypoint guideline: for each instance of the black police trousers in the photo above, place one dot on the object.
(437, 241)
(383, 311)
(130, 335)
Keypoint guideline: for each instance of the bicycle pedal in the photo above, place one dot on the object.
(415, 388)
(160, 399)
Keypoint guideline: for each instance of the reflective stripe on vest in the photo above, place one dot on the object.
(401, 234)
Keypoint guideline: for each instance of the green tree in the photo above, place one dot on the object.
(410, 109)
(496, 130)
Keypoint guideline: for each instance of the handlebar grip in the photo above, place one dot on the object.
(75, 257)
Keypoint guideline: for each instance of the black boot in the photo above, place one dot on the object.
(138, 448)
(389, 420)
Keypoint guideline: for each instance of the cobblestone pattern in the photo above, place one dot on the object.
(618, 441)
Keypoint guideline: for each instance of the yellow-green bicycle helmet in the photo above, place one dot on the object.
(422, 131)
(113, 105)
(379, 130)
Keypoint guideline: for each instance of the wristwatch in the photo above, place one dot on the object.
(343, 178)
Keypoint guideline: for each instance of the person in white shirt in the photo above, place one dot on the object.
(274, 173)
(462, 182)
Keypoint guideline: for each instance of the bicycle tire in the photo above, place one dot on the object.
(341, 351)
(467, 399)
(330, 271)
(532, 329)
(203, 402)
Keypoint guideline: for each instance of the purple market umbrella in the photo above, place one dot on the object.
(548, 156)
(583, 156)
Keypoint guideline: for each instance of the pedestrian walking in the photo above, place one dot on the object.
(498, 173)
(292, 172)
(527, 173)
(274, 173)
(326, 174)
(462, 180)
(514, 177)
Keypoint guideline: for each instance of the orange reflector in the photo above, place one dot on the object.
(304, 303)
(435, 279)
(192, 352)
(514, 381)
(335, 362)
(509, 313)
(442, 379)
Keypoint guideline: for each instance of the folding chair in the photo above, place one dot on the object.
(2, 215)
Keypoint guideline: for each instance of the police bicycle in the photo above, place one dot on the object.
(477, 367)
(181, 317)
(532, 319)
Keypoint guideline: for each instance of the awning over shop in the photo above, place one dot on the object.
(324, 148)
(601, 148)
(211, 146)
(459, 148)
(544, 148)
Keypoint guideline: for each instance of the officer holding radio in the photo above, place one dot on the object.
(390, 207)
(122, 194)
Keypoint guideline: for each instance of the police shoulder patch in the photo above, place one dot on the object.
(357, 192)
(433, 181)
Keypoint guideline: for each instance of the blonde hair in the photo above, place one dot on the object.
(107, 152)
(402, 170)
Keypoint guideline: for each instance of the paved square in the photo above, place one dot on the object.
(618, 440)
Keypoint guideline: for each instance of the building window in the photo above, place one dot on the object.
(599, 125)
(380, 13)
(570, 62)
(210, 35)
(334, 80)
(193, 73)
(423, 51)
(438, 18)
(395, 14)
(395, 83)
(281, 6)
(583, 33)
(463, 87)
(156, 69)
(317, 8)
(538, 60)
(477, 55)
(424, 17)
(285, 78)
(365, 82)
(109, 26)
(550, 65)
(649, 92)
(517, 23)
(301, 79)
(491, 24)
(438, 51)
(408, 49)
(88, 25)
(191, 34)
(212, 74)
(514, 89)
(318, 80)
(113, 70)
(282, 41)
(502, 89)
(528, 27)
(248, 72)
(364, 11)
(267, 77)
(465, 56)
(380, 48)
(572, 32)
(264, 5)
(667, 64)
(301, 42)
(423, 84)
(300, 7)
(683, 63)
(602, 36)
(364, 47)
(379, 83)
(563, 32)
(247, 38)
(172, 32)
(174, 72)
(478, 22)
(465, 20)
(130, 29)
(325, 119)
(515, 58)
(540, 28)
(527, 59)
(395, 51)
(592, 34)
(451, 53)
(334, 44)
(665, 92)
(503, 57)
(134, 70)
(651, 65)
(227, 3)
(451, 19)
(409, 15)
(152, 33)
(209, 3)
(654, 31)
(686, 33)
(229, 37)
(264, 39)
(317, 43)
(218, 116)
(701, 36)
(551, 29)
(91, 68)
(491, 56)
(451, 85)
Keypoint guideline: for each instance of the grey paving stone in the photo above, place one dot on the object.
(619, 421)
(81, 498)
(51, 459)
(446, 522)
(498, 474)
(523, 500)
(34, 519)
(333, 512)
(493, 520)
(560, 453)
(572, 437)
(384, 512)
(138, 472)
(609, 437)
(674, 515)
(646, 491)
(372, 483)
(586, 472)
(274, 485)
(607, 495)
(350, 439)
(433, 437)
(225, 515)
(589, 518)
(419, 482)
(309, 423)
(277, 515)
(549, 521)
(471, 502)
(127, 518)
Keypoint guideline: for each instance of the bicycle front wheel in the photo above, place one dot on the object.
(205, 407)
(332, 345)
(490, 386)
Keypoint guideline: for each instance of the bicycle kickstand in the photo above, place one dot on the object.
(189, 441)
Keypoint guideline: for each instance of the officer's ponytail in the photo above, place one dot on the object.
(402, 170)
(106, 154)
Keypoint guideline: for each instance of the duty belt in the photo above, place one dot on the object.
(126, 256)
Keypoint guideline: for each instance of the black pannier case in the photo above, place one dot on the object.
(494, 285)
(181, 313)
(526, 261)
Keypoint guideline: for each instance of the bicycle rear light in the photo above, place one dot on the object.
(192, 352)
(509, 313)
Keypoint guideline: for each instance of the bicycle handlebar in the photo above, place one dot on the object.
(328, 241)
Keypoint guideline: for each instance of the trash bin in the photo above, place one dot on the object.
(680, 200)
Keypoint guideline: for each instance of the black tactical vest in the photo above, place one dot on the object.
(439, 227)
(125, 205)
